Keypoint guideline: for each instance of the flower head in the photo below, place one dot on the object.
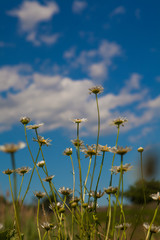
(153, 229)
(125, 168)
(140, 149)
(120, 150)
(119, 121)
(25, 120)
(65, 191)
(59, 205)
(91, 206)
(96, 194)
(123, 226)
(90, 151)
(47, 226)
(8, 171)
(96, 90)
(48, 178)
(35, 126)
(79, 120)
(111, 190)
(39, 194)
(155, 196)
(23, 170)
(41, 163)
(68, 151)
(77, 142)
(12, 148)
(103, 148)
(42, 140)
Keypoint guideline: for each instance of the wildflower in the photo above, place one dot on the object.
(59, 205)
(111, 190)
(125, 168)
(68, 151)
(96, 90)
(41, 163)
(12, 148)
(103, 148)
(42, 140)
(140, 149)
(123, 226)
(49, 178)
(8, 171)
(77, 142)
(79, 120)
(47, 226)
(119, 121)
(75, 199)
(96, 194)
(90, 151)
(23, 170)
(35, 126)
(120, 150)
(155, 196)
(153, 229)
(65, 191)
(39, 194)
(91, 206)
(25, 120)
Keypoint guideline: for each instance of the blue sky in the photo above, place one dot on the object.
(50, 54)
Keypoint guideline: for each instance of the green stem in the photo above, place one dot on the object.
(39, 234)
(150, 236)
(94, 166)
(155, 213)
(15, 210)
(44, 236)
(84, 191)
(114, 154)
(109, 222)
(49, 237)
(73, 176)
(20, 188)
(14, 176)
(143, 180)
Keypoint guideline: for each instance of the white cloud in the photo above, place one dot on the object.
(30, 15)
(133, 83)
(69, 53)
(118, 11)
(97, 70)
(144, 132)
(56, 99)
(78, 6)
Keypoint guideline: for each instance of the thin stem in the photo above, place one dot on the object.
(155, 213)
(20, 188)
(110, 184)
(14, 176)
(15, 210)
(109, 222)
(143, 179)
(44, 236)
(100, 171)
(89, 166)
(94, 166)
(73, 176)
(39, 234)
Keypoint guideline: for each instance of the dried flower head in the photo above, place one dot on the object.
(8, 171)
(35, 126)
(120, 150)
(79, 120)
(41, 163)
(123, 226)
(25, 120)
(23, 170)
(153, 229)
(155, 196)
(57, 205)
(68, 151)
(111, 190)
(77, 142)
(96, 194)
(104, 148)
(48, 178)
(65, 191)
(119, 121)
(140, 149)
(12, 148)
(96, 90)
(90, 151)
(125, 168)
(39, 194)
(43, 141)
(47, 226)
